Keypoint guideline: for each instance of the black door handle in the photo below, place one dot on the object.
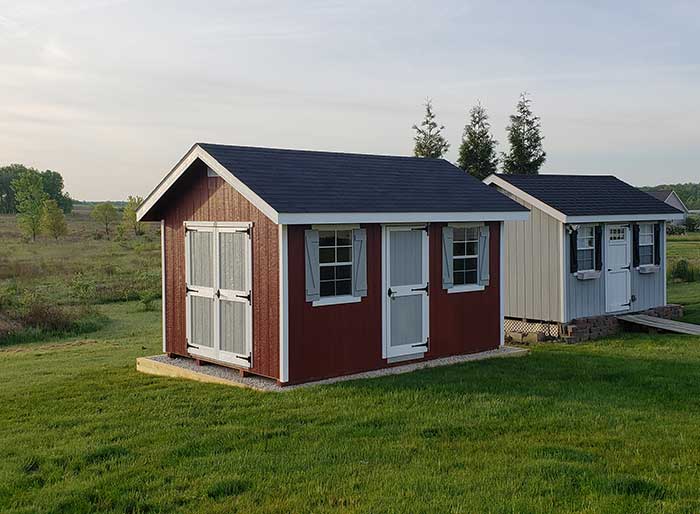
(390, 293)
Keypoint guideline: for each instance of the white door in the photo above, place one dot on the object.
(219, 292)
(405, 281)
(617, 266)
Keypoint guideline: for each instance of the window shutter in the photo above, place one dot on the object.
(573, 253)
(483, 255)
(359, 262)
(447, 254)
(313, 291)
(657, 243)
(599, 247)
(635, 245)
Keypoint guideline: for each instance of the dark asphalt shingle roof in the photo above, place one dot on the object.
(301, 181)
(660, 195)
(589, 195)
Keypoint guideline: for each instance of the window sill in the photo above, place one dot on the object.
(587, 275)
(646, 269)
(465, 288)
(336, 300)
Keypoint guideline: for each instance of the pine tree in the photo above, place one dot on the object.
(477, 153)
(429, 141)
(53, 221)
(29, 201)
(129, 220)
(526, 154)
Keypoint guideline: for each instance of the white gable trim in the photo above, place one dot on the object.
(673, 193)
(560, 216)
(197, 152)
(507, 186)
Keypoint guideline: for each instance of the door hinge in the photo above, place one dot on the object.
(188, 289)
(426, 288)
(245, 358)
(247, 297)
(191, 345)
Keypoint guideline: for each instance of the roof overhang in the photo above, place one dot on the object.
(560, 216)
(197, 152)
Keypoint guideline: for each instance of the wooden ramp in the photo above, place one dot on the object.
(661, 324)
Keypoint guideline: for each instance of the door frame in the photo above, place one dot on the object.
(386, 326)
(216, 293)
(609, 271)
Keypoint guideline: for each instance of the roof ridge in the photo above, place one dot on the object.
(327, 152)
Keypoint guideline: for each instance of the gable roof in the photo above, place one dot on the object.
(581, 198)
(300, 186)
(661, 194)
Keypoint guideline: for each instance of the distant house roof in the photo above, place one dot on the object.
(288, 184)
(661, 194)
(581, 198)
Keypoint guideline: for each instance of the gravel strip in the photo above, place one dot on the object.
(266, 384)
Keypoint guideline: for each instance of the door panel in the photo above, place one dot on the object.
(202, 319)
(617, 274)
(234, 327)
(406, 285)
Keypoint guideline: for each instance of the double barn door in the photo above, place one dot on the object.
(219, 291)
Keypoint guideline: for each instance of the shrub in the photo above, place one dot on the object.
(692, 224)
(684, 271)
(37, 312)
(147, 299)
(83, 287)
(675, 230)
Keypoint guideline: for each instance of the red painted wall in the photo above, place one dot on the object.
(342, 339)
(196, 197)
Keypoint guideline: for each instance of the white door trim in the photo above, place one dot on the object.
(389, 352)
(610, 271)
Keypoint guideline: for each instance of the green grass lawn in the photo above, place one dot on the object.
(612, 426)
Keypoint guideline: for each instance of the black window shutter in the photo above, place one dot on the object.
(599, 247)
(657, 243)
(573, 254)
(635, 245)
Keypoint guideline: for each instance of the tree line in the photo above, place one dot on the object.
(477, 151)
(51, 183)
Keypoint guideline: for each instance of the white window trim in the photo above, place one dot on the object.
(338, 299)
(592, 248)
(467, 288)
(649, 265)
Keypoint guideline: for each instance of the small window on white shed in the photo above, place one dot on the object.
(646, 243)
(585, 248)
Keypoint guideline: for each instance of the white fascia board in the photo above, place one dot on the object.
(507, 186)
(623, 218)
(197, 152)
(397, 217)
(673, 193)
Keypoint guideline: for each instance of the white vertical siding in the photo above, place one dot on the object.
(532, 269)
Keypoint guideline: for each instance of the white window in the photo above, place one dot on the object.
(465, 255)
(335, 260)
(585, 248)
(646, 243)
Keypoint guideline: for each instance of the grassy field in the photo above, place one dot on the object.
(611, 426)
(688, 294)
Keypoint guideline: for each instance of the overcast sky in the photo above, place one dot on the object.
(112, 93)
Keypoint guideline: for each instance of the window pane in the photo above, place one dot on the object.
(344, 254)
(344, 237)
(585, 260)
(328, 288)
(459, 249)
(646, 255)
(646, 239)
(326, 238)
(470, 264)
(327, 255)
(343, 272)
(472, 234)
(646, 228)
(458, 264)
(458, 234)
(343, 287)
(327, 272)
(470, 277)
(472, 248)
(459, 278)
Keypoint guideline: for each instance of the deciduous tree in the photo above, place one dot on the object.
(129, 220)
(106, 214)
(29, 200)
(53, 221)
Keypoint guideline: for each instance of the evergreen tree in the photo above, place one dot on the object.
(477, 153)
(429, 141)
(526, 155)
(29, 202)
(129, 221)
(53, 221)
(106, 214)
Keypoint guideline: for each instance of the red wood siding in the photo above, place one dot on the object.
(196, 197)
(343, 339)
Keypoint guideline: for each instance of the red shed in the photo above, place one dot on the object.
(300, 265)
